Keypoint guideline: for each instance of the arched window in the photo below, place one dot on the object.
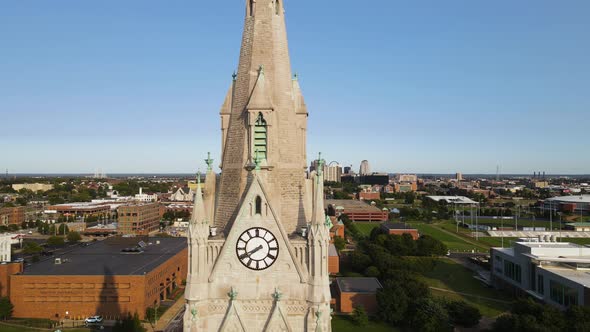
(260, 137)
(277, 7)
(258, 205)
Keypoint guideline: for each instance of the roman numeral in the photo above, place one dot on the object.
(271, 256)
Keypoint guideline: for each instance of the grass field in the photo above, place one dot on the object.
(453, 277)
(452, 241)
(5, 328)
(366, 227)
(344, 324)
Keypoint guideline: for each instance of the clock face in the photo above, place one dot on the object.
(257, 248)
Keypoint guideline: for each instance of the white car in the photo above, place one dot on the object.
(93, 320)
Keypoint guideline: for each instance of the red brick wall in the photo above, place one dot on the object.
(412, 232)
(6, 270)
(348, 301)
(82, 296)
(12, 215)
(333, 264)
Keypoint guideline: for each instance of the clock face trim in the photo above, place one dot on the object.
(257, 248)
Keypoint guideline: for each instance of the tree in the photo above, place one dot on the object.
(339, 243)
(55, 241)
(429, 246)
(74, 237)
(393, 303)
(13, 227)
(129, 324)
(5, 308)
(578, 318)
(462, 313)
(30, 247)
(428, 315)
(63, 229)
(359, 316)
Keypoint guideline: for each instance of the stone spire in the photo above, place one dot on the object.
(198, 268)
(199, 214)
(263, 89)
(319, 213)
(318, 241)
(210, 190)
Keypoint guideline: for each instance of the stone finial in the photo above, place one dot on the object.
(209, 162)
(318, 316)
(277, 295)
(233, 294)
(198, 177)
(194, 313)
(234, 76)
(261, 70)
(257, 160)
(295, 77)
(328, 222)
(320, 169)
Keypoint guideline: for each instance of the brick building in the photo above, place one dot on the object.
(83, 209)
(351, 292)
(6, 270)
(12, 215)
(357, 210)
(399, 229)
(139, 219)
(105, 278)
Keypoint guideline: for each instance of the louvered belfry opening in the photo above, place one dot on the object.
(260, 138)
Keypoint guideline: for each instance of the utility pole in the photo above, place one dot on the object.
(502, 222)
(550, 216)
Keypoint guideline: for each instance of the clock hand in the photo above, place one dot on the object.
(250, 252)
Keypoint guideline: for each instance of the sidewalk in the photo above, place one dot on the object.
(169, 315)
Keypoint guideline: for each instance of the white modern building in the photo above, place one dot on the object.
(577, 204)
(557, 273)
(5, 242)
(333, 172)
(145, 197)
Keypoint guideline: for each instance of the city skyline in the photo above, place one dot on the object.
(499, 84)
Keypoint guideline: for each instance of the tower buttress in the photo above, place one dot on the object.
(198, 268)
(318, 244)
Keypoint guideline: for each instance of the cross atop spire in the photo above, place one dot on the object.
(209, 162)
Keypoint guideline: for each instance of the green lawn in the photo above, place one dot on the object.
(452, 276)
(4, 328)
(366, 227)
(343, 324)
(452, 241)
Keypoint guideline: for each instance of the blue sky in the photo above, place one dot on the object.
(412, 86)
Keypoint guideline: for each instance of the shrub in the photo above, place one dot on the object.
(359, 316)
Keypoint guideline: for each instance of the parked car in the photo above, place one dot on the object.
(93, 320)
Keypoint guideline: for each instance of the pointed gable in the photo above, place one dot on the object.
(232, 322)
(277, 321)
(246, 218)
(260, 98)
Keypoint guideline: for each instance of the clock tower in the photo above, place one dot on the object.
(258, 236)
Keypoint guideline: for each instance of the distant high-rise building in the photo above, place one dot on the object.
(459, 176)
(333, 172)
(364, 169)
(406, 178)
(348, 169)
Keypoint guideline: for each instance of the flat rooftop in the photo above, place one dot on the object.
(107, 258)
(358, 285)
(578, 276)
(351, 204)
(571, 199)
(391, 226)
(453, 199)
